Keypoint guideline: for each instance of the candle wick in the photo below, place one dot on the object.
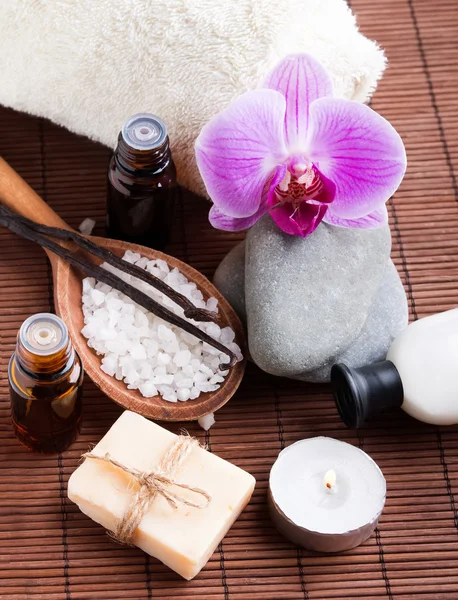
(330, 480)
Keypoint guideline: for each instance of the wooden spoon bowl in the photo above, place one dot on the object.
(17, 195)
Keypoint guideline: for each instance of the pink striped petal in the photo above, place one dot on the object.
(301, 79)
(375, 219)
(301, 221)
(238, 150)
(221, 221)
(359, 151)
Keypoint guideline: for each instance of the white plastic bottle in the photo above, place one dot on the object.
(420, 375)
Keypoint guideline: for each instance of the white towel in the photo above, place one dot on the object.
(90, 64)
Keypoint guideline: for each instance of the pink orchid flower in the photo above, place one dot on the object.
(297, 152)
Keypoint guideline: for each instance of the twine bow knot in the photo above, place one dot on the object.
(152, 483)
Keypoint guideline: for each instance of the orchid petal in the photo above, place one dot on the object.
(375, 219)
(301, 79)
(329, 190)
(302, 220)
(359, 151)
(221, 221)
(238, 150)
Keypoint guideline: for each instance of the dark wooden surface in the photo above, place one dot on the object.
(50, 551)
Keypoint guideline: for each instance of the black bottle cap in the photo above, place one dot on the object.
(365, 391)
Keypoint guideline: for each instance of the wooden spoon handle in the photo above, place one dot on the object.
(20, 197)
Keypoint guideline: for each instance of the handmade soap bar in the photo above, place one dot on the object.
(183, 538)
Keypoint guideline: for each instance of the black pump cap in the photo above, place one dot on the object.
(365, 391)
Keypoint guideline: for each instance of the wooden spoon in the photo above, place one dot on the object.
(16, 194)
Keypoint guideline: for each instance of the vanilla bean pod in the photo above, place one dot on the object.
(9, 220)
(190, 311)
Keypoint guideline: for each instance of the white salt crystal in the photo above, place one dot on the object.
(110, 364)
(151, 347)
(163, 379)
(146, 371)
(182, 358)
(103, 287)
(200, 377)
(207, 421)
(88, 284)
(227, 335)
(183, 394)
(151, 268)
(197, 295)
(87, 303)
(212, 304)
(195, 364)
(189, 339)
(113, 318)
(142, 262)
(207, 387)
(132, 377)
(167, 393)
(187, 382)
(205, 369)
(141, 320)
(214, 330)
(131, 257)
(163, 359)
(116, 346)
(172, 368)
(188, 370)
(98, 297)
(160, 370)
(210, 349)
(128, 309)
(165, 334)
(195, 393)
(107, 333)
(171, 347)
(86, 227)
(147, 389)
(162, 265)
(214, 363)
(236, 350)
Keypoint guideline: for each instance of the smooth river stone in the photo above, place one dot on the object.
(387, 316)
(229, 278)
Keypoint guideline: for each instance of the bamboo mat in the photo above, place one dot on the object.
(50, 551)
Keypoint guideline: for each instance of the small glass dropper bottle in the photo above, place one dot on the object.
(45, 377)
(142, 184)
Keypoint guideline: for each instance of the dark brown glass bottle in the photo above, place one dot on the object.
(142, 184)
(45, 377)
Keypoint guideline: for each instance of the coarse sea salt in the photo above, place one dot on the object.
(145, 352)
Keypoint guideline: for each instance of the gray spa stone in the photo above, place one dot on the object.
(230, 279)
(387, 316)
(308, 299)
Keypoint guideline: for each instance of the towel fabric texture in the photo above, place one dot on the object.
(90, 64)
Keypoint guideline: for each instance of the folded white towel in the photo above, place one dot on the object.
(89, 64)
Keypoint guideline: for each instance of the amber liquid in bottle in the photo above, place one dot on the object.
(142, 184)
(45, 378)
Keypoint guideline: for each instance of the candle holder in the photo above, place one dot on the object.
(321, 508)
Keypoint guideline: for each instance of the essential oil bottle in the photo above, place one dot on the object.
(45, 377)
(142, 184)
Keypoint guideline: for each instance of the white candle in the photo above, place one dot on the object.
(326, 495)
